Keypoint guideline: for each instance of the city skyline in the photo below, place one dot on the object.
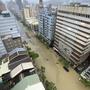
(44, 44)
(63, 1)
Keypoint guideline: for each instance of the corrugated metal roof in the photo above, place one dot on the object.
(16, 50)
(20, 68)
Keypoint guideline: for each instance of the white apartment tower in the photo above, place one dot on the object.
(47, 18)
(72, 33)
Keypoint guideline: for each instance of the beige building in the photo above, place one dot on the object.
(72, 33)
(27, 12)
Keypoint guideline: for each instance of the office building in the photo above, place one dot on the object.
(20, 4)
(47, 18)
(2, 6)
(15, 9)
(72, 33)
(10, 37)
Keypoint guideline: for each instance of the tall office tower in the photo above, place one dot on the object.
(25, 3)
(40, 3)
(2, 6)
(20, 4)
(9, 32)
(72, 33)
(47, 18)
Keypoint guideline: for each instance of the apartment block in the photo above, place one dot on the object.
(47, 18)
(72, 33)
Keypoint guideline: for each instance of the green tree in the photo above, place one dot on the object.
(48, 85)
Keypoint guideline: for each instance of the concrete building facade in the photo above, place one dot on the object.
(47, 18)
(72, 33)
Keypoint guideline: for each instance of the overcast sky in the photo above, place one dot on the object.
(64, 1)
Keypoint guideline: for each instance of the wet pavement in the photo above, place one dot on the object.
(54, 70)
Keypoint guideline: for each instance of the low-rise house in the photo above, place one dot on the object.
(19, 69)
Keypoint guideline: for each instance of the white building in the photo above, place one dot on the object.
(47, 18)
(72, 33)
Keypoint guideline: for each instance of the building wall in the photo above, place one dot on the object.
(46, 24)
(72, 33)
(2, 48)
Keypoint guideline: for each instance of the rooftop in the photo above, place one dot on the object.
(32, 20)
(29, 83)
(75, 9)
(20, 68)
(4, 68)
(16, 50)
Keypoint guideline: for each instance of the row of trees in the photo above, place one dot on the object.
(41, 72)
(32, 54)
(48, 85)
(43, 40)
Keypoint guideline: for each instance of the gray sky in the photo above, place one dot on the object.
(83, 1)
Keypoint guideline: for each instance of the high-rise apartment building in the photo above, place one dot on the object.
(47, 18)
(27, 12)
(72, 33)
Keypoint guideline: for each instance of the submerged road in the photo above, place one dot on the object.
(54, 70)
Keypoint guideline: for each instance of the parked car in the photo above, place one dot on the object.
(66, 69)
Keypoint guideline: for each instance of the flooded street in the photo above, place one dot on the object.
(54, 70)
